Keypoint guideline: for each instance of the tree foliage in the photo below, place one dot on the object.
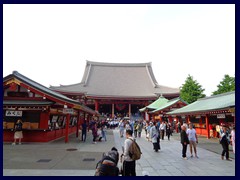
(191, 90)
(226, 85)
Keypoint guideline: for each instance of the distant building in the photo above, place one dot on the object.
(117, 89)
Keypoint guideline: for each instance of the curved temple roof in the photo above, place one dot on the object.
(134, 80)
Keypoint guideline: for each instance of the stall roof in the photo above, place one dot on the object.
(156, 104)
(217, 102)
(46, 90)
(168, 104)
(29, 103)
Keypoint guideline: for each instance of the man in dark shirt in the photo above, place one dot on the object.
(84, 131)
(184, 141)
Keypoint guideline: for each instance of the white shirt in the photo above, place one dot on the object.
(191, 134)
(127, 144)
(162, 127)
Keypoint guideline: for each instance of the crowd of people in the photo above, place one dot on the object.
(131, 130)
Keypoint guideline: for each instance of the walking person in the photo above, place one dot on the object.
(162, 129)
(128, 126)
(135, 126)
(168, 131)
(154, 136)
(129, 165)
(225, 143)
(18, 132)
(104, 132)
(139, 128)
(94, 133)
(233, 139)
(121, 128)
(184, 141)
(193, 140)
(179, 127)
(84, 131)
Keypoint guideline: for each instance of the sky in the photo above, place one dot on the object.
(51, 43)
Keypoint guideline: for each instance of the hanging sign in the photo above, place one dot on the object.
(67, 111)
(120, 107)
(14, 113)
(221, 116)
(198, 116)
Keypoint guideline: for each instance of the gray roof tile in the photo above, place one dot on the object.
(118, 80)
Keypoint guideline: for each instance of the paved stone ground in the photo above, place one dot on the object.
(22, 160)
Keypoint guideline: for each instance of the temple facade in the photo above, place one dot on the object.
(117, 89)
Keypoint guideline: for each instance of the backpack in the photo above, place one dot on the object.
(134, 151)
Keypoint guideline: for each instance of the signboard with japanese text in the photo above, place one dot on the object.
(14, 113)
(221, 116)
(67, 111)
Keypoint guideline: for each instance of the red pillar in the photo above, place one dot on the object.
(78, 124)
(188, 119)
(207, 126)
(170, 119)
(67, 127)
(96, 105)
(160, 118)
(176, 124)
(44, 117)
(88, 119)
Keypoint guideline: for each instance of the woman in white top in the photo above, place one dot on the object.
(192, 137)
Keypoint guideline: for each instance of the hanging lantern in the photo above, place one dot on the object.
(13, 87)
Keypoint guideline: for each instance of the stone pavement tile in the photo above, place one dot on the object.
(148, 169)
(171, 169)
(41, 172)
(179, 173)
(144, 164)
(163, 173)
(138, 167)
(187, 172)
(158, 166)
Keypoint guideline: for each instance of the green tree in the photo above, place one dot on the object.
(226, 85)
(191, 90)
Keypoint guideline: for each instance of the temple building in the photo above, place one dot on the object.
(117, 89)
(46, 114)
